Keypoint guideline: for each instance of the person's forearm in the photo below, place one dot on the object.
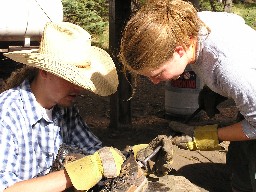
(232, 133)
(53, 182)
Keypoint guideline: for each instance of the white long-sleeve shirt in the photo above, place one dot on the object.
(226, 62)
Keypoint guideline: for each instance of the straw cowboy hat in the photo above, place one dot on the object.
(65, 50)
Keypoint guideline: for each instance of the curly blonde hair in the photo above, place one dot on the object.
(18, 76)
(151, 35)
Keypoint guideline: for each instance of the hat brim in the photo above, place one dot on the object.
(100, 77)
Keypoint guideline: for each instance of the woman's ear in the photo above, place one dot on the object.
(180, 50)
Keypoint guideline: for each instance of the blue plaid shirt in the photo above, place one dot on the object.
(29, 142)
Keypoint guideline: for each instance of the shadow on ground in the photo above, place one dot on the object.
(209, 176)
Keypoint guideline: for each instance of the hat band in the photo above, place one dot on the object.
(86, 64)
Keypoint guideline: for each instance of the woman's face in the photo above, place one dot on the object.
(170, 69)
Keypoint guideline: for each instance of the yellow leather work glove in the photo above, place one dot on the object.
(86, 172)
(160, 163)
(203, 138)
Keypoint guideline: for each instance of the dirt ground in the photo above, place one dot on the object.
(192, 170)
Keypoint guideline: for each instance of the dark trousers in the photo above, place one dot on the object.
(241, 159)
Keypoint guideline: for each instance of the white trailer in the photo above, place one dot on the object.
(21, 25)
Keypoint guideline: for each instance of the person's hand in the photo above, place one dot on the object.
(161, 163)
(203, 138)
(86, 172)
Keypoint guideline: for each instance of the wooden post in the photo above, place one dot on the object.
(120, 107)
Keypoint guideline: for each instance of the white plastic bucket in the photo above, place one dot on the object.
(181, 95)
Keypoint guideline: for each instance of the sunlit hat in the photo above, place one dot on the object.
(65, 50)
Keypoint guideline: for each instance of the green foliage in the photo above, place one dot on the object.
(92, 15)
(206, 6)
(247, 11)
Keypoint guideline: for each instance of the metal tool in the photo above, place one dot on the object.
(143, 163)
